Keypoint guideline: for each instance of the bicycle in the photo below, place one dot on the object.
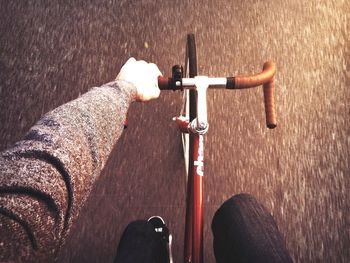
(193, 125)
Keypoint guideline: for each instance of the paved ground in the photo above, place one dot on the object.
(50, 52)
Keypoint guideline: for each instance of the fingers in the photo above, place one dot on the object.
(130, 61)
(155, 73)
(153, 67)
(144, 76)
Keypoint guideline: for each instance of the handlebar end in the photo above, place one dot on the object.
(271, 125)
(163, 83)
(270, 107)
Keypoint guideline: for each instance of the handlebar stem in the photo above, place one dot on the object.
(201, 83)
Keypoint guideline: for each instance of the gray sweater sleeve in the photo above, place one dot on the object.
(46, 178)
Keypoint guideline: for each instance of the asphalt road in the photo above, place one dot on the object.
(52, 51)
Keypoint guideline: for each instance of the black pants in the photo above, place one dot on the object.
(244, 231)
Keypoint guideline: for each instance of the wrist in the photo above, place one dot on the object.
(125, 88)
(128, 88)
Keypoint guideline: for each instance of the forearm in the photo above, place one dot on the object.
(46, 177)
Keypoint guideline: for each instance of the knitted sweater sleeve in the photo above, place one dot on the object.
(46, 178)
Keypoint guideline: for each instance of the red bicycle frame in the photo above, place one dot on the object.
(194, 209)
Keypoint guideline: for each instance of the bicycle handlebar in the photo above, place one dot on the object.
(265, 78)
(164, 83)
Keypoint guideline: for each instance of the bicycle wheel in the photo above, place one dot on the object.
(189, 109)
(190, 113)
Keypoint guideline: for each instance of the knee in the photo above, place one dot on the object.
(139, 227)
(234, 210)
(239, 199)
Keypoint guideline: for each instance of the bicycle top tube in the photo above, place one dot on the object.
(265, 78)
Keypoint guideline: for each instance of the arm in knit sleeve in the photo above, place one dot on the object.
(46, 178)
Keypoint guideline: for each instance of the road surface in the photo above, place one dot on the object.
(52, 51)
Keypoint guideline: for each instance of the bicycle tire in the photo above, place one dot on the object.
(189, 107)
(190, 114)
(191, 53)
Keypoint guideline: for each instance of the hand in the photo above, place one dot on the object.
(144, 76)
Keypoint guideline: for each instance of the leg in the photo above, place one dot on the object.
(244, 231)
(140, 243)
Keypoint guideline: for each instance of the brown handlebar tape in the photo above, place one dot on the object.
(265, 78)
(164, 83)
(243, 82)
(270, 107)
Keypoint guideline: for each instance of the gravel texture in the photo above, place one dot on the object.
(52, 51)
